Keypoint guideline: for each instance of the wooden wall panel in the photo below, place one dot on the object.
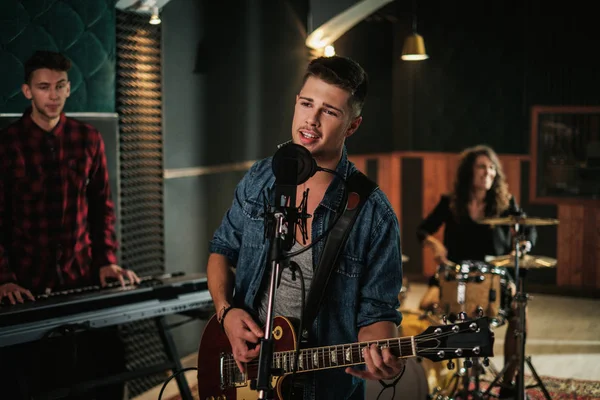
(451, 168)
(435, 184)
(511, 165)
(591, 245)
(569, 252)
(360, 162)
(389, 180)
(595, 222)
(578, 232)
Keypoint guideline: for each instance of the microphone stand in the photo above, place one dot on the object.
(280, 227)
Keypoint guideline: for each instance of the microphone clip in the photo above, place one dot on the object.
(292, 217)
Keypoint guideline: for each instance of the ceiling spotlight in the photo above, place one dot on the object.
(329, 51)
(155, 18)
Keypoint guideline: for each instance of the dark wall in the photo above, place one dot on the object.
(370, 43)
(231, 74)
(488, 65)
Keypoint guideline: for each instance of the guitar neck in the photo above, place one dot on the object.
(343, 355)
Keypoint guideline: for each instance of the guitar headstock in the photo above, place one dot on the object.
(472, 338)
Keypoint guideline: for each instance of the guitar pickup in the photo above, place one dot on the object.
(229, 374)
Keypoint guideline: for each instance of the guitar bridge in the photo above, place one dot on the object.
(229, 373)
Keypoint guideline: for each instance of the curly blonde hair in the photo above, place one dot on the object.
(497, 198)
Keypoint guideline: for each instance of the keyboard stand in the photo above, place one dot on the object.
(172, 354)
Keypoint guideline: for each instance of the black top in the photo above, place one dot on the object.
(465, 239)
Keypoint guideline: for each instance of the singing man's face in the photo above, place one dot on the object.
(323, 119)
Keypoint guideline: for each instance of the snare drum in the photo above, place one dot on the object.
(470, 285)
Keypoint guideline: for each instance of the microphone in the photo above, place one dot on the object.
(292, 165)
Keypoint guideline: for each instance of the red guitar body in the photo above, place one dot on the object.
(214, 344)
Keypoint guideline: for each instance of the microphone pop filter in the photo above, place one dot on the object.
(293, 164)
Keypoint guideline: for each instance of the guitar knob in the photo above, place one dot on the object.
(450, 365)
(486, 362)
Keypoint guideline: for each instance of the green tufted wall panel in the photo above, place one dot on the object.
(84, 30)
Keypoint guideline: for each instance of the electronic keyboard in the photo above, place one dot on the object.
(95, 307)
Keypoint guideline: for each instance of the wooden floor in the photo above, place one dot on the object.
(564, 338)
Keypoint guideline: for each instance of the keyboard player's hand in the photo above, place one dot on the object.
(116, 272)
(14, 293)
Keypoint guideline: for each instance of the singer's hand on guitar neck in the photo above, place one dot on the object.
(380, 362)
(242, 332)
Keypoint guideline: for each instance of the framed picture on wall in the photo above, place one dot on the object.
(565, 154)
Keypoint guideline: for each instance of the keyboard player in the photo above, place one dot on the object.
(56, 230)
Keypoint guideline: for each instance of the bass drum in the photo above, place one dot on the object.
(423, 378)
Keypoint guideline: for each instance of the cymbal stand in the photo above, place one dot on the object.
(521, 298)
(477, 368)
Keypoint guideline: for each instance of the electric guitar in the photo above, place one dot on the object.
(220, 379)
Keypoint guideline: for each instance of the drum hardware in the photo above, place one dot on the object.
(462, 374)
(515, 221)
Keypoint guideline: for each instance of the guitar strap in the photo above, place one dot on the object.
(360, 188)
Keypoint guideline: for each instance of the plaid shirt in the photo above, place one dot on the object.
(56, 213)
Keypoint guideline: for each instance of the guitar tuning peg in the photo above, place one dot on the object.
(486, 362)
(479, 311)
(468, 363)
(445, 319)
(462, 315)
(450, 365)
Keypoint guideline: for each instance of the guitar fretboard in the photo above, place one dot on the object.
(338, 356)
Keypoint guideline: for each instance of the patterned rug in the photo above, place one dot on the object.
(559, 389)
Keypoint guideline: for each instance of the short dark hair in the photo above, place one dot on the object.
(45, 59)
(344, 73)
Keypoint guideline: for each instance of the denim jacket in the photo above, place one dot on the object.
(363, 288)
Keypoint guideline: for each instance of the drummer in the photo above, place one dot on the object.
(480, 191)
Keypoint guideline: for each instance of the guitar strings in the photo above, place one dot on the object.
(354, 350)
(229, 362)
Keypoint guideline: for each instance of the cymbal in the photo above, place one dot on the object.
(512, 220)
(527, 261)
(405, 258)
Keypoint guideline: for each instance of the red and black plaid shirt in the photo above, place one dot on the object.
(56, 213)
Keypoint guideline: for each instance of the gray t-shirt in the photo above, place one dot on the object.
(288, 297)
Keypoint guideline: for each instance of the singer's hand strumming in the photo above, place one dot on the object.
(244, 336)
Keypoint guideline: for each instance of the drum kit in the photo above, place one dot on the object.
(473, 289)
